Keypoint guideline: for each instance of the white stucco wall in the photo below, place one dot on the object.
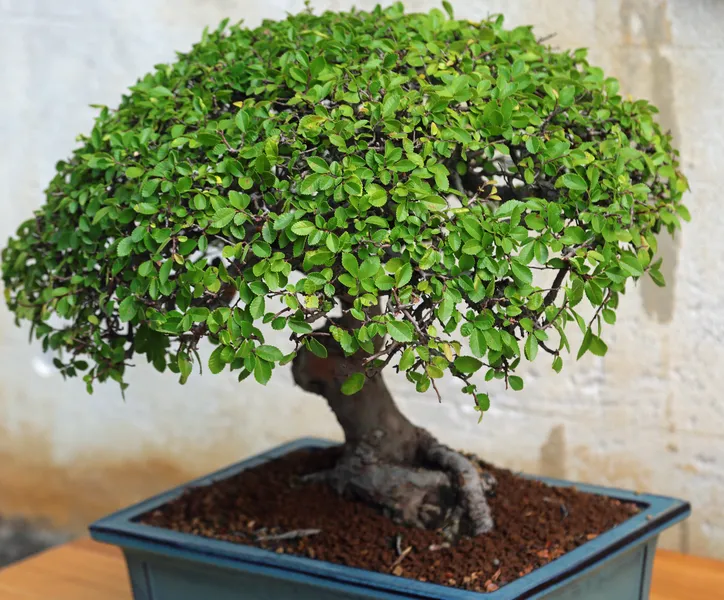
(648, 416)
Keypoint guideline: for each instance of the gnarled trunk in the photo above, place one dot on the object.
(387, 460)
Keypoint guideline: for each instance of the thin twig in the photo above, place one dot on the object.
(229, 147)
(434, 387)
(400, 558)
(600, 308)
(553, 320)
(545, 38)
(408, 315)
(386, 350)
(289, 535)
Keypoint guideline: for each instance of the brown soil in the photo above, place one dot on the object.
(534, 524)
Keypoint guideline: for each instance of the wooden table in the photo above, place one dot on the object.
(86, 570)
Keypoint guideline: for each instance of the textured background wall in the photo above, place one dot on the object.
(647, 416)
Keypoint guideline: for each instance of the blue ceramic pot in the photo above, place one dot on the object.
(168, 565)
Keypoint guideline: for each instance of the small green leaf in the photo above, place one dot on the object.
(349, 262)
(309, 185)
(283, 221)
(257, 307)
(318, 164)
(401, 332)
(407, 359)
(146, 268)
(353, 384)
(261, 249)
(567, 95)
(403, 275)
(391, 103)
(369, 267)
(423, 384)
(435, 203)
(585, 344)
(332, 242)
(223, 217)
(478, 344)
(594, 293)
(124, 247)
(353, 186)
(100, 213)
(632, 265)
(243, 120)
(533, 145)
(134, 172)
(269, 353)
(521, 273)
(609, 316)
(574, 182)
(445, 310)
(554, 217)
(531, 347)
(472, 247)
(482, 401)
(149, 187)
(515, 382)
(657, 277)
(127, 309)
(199, 202)
(434, 372)
(262, 371)
(298, 74)
(467, 364)
(377, 195)
(239, 201)
(299, 327)
(541, 252)
(303, 228)
(145, 208)
(598, 347)
(316, 347)
(183, 185)
(216, 364)
(683, 212)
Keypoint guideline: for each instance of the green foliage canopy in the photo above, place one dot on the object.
(481, 183)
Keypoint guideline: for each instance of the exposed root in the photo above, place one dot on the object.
(469, 483)
(388, 461)
(409, 495)
(449, 497)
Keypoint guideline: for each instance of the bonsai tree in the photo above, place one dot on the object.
(411, 191)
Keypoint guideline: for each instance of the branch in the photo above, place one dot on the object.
(551, 296)
(599, 309)
(408, 316)
(553, 320)
(289, 535)
(387, 350)
(553, 114)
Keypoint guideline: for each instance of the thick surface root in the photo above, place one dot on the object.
(470, 486)
(443, 490)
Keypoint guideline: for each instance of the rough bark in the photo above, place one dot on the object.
(387, 460)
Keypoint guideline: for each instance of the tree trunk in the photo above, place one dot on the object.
(388, 461)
